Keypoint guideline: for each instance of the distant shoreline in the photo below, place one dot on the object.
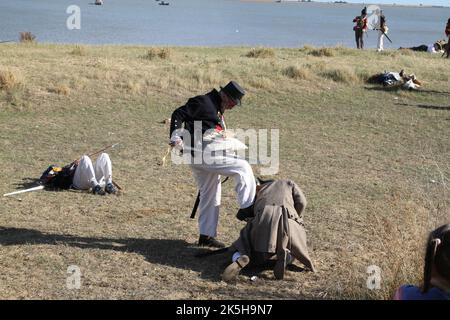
(351, 3)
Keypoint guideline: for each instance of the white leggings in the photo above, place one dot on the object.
(380, 41)
(208, 181)
(88, 175)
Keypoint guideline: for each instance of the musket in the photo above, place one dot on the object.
(23, 191)
(197, 201)
(7, 41)
(111, 146)
(96, 152)
(384, 34)
(117, 186)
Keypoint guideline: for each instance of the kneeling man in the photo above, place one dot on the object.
(275, 233)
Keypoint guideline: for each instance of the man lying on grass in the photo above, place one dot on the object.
(82, 174)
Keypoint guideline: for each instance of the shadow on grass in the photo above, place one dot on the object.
(396, 88)
(34, 182)
(387, 88)
(435, 91)
(424, 106)
(27, 183)
(175, 253)
(167, 252)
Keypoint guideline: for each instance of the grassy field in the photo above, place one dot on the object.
(374, 165)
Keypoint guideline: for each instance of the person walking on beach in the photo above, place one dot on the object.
(204, 113)
(382, 31)
(360, 28)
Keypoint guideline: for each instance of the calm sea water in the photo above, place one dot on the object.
(213, 23)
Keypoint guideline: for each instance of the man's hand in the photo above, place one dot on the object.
(176, 141)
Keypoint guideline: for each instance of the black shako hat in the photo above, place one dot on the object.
(234, 91)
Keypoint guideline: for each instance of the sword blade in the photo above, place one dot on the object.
(23, 191)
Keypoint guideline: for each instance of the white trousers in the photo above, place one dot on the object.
(88, 175)
(208, 181)
(380, 41)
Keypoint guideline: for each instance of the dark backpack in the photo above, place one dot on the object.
(57, 177)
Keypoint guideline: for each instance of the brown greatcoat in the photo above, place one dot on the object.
(277, 228)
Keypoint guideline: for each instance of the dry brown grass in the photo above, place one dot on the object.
(260, 53)
(9, 79)
(79, 51)
(161, 53)
(296, 72)
(404, 52)
(372, 163)
(61, 89)
(307, 47)
(27, 37)
(133, 87)
(344, 75)
(323, 52)
(262, 83)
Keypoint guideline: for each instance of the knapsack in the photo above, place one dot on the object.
(57, 177)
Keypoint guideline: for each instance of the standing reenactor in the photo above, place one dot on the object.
(360, 28)
(207, 110)
(382, 31)
(447, 33)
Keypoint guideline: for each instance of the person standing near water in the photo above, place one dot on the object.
(447, 33)
(382, 31)
(360, 28)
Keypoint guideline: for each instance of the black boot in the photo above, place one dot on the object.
(109, 188)
(208, 241)
(98, 190)
(280, 266)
